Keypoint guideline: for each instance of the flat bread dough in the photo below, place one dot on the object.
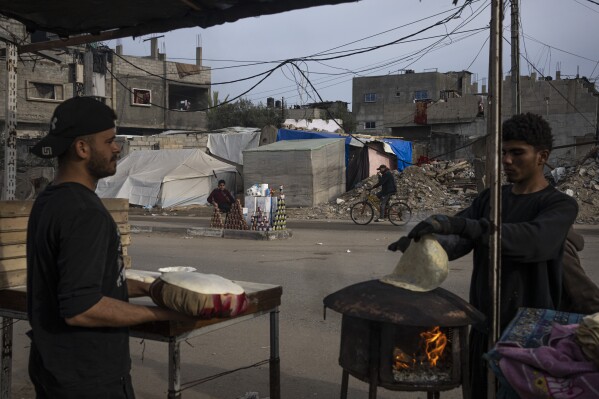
(423, 267)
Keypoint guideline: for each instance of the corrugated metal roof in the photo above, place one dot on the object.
(296, 145)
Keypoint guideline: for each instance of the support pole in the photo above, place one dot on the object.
(516, 101)
(88, 72)
(10, 134)
(494, 178)
(274, 365)
(174, 369)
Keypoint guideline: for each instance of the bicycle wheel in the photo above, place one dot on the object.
(361, 213)
(399, 213)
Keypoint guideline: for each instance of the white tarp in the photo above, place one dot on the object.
(166, 178)
(230, 145)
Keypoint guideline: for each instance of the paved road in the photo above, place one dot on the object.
(319, 259)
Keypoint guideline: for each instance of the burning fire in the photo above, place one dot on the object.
(433, 343)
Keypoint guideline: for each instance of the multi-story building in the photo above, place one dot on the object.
(446, 111)
(149, 94)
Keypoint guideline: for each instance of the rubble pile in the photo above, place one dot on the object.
(443, 187)
(582, 183)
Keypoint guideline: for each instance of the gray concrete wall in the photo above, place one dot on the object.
(395, 94)
(148, 73)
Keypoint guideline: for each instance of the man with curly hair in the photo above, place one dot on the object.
(535, 219)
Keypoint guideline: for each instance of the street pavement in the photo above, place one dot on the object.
(321, 257)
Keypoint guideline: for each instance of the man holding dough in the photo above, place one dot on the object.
(535, 218)
(77, 295)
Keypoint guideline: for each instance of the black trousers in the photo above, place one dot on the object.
(47, 388)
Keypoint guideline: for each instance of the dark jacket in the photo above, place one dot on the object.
(387, 182)
(580, 294)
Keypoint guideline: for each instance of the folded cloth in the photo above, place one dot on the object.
(557, 370)
(587, 336)
(200, 295)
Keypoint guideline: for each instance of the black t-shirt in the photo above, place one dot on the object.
(533, 230)
(74, 258)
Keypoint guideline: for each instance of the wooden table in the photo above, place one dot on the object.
(264, 298)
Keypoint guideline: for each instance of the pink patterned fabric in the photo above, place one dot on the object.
(556, 371)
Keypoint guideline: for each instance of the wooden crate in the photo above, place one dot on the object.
(13, 237)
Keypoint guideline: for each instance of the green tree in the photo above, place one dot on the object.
(242, 113)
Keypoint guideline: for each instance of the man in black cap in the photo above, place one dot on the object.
(389, 188)
(77, 294)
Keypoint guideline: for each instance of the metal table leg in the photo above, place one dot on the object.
(174, 369)
(274, 361)
(6, 359)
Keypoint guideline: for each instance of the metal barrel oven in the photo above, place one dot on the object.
(403, 340)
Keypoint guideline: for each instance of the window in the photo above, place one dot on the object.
(141, 97)
(370, 125)
(370, 97)
(421, 95)
(38, 91)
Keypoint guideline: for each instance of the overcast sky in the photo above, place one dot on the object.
(557, 34)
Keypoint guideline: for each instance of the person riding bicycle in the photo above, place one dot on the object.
(387, 182)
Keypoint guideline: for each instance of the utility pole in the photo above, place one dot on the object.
(88, 72)
(494, 178)
(516, 105)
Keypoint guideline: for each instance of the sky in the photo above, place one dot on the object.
(379, 37)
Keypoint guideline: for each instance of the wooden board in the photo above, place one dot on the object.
(13, 278)
(13, 251)
(13, 237)
(7, 265)
(9, 209)
(14, 223)
(116, 204)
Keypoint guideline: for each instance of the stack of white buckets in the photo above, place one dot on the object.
(259, 190)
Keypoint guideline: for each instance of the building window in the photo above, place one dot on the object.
(141, 97)
(38, 91)
(421, 95)
(370, 97)
(370, 125)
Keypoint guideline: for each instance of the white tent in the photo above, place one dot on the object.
(166, 178)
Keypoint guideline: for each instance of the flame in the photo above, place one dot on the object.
(435, 342)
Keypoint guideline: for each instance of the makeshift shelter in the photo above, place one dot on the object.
(166, 178)
(362, 155)
(311, 171)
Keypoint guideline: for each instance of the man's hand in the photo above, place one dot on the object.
(442, 224)
(402, 244)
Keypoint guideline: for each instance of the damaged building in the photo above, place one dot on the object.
(446, 111)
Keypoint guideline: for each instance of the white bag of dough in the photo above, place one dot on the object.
(199, 295)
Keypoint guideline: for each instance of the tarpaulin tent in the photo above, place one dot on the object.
(230, 143)
(166, 178)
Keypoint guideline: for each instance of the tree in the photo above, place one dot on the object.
(242, 113)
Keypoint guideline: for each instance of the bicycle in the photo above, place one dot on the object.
(362, 212)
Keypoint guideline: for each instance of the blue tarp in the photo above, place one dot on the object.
(401, 148)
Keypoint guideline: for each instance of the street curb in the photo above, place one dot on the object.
(217, 233)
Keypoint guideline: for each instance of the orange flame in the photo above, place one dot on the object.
(435, 342)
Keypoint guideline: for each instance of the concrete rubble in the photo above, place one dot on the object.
(447, 187)
(582, 182)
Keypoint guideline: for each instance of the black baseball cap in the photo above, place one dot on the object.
(75, 117)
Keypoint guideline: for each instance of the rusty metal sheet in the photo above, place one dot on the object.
(377, 301)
